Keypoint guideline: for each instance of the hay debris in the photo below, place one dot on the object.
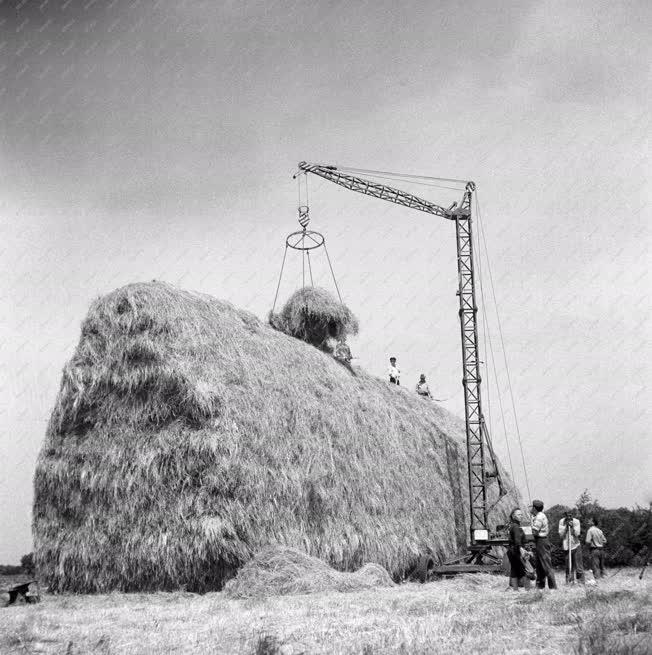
(279, 571)
(316, 317)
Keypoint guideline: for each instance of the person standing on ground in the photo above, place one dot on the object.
(516, 552)
(422, 387)
(596, 540)
(569, 532)
(394, 372)
(543, 561)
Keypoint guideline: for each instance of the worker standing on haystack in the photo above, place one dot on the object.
(569, 532)
(343, 352)
(543, 560)
(422, 387)
(394, 372)
(596, 540)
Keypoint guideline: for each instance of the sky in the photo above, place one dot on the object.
(158, 140)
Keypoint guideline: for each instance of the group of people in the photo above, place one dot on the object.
(394, 374)
(569, 530)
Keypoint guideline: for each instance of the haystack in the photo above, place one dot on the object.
(187, 435)
(280, 570)
(316, 317)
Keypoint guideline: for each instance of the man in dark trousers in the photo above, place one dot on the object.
(543, 560)
(569, 531)
(596, 541)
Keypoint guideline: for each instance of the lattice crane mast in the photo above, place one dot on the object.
(476, 432)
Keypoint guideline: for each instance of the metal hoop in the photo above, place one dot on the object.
(299, 242)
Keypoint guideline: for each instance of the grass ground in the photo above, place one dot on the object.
(471, 614)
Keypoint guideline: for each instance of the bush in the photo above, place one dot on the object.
(27, 563)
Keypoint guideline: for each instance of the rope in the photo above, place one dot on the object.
(402, 175)
(445, 400)
(313, 239)
(485, 330)
(278, 286)
(333, 274)
(299, 190)
(303, 266)
(502, 343)
(492, 360)
(400, 179)
(312, 284)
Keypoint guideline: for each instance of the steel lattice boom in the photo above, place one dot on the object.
(475, 426)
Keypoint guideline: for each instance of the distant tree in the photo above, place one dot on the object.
(588, 507)
(27, 563)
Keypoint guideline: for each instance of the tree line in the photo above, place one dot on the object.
(628, 531)
(26, 566)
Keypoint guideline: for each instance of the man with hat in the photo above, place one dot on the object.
(543, 561)
(393, 371)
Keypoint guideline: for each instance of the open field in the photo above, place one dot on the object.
(471, 614)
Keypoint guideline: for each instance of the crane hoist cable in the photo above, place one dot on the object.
(502, 343)
(305, 240)
(402, 176)
(490, 352)
(400, 179)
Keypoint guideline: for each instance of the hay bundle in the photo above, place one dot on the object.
(279, 570)
(187, 436)
(315, 316)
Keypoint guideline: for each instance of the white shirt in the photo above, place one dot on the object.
(423, 389)
(540, 525)
(595, 537)
(394, 372)
(575, 533)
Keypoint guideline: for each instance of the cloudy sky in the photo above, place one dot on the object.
(157, 140)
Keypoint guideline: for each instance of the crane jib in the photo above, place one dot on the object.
(382, 191)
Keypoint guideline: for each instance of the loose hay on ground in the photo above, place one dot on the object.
(278, 571)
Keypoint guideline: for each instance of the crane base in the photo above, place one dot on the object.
(454, 569)
(479, 559)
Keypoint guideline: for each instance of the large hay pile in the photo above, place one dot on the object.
(280, 570)
(187, 435)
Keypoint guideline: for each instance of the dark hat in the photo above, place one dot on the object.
(392, 358)
(538, 505)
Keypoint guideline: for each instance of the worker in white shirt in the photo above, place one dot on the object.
(393, 371)
(543, 559)
(569, 532)
(422, 387)
(597, 541)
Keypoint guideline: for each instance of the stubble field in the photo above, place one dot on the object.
(469, 614)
